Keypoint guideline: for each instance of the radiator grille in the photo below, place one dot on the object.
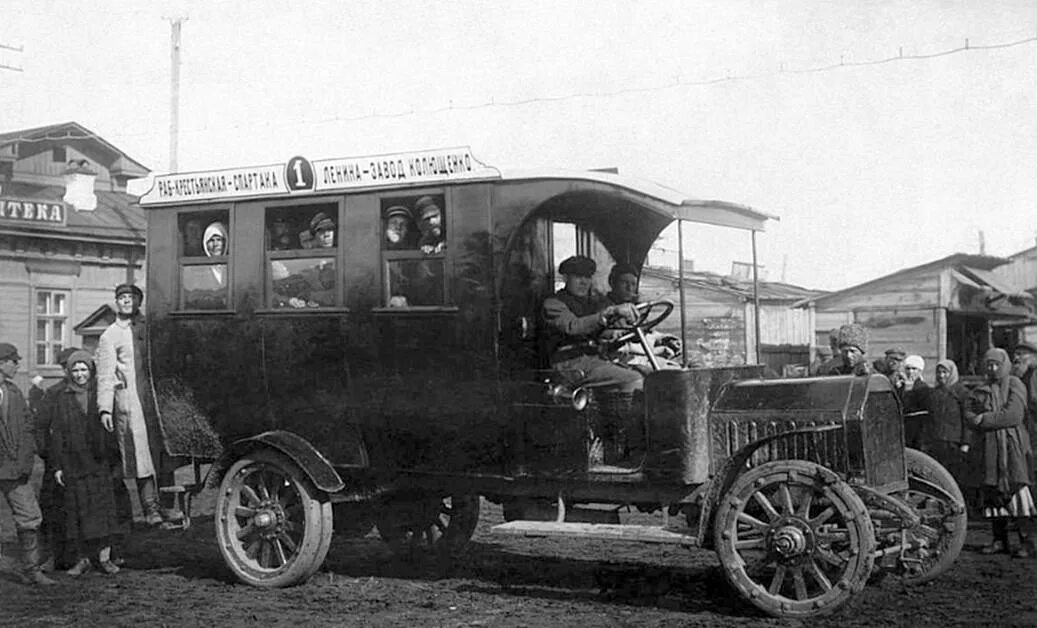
(730, 431)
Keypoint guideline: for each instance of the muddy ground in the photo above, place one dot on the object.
(177, 578)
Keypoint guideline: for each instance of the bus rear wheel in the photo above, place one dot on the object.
(437, 527)
(272, 527)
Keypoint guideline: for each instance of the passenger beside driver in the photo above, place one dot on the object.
(574, 318)
(623, 279)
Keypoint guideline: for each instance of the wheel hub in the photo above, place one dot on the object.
(790, 539)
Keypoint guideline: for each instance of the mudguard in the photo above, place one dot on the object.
(312, 462)
(731, 469)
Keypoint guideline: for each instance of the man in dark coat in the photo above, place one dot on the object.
(574, 317)
(17, 455)
(1024, 366)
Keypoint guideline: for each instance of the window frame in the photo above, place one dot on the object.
(183, 260)
(50, 317)
(388, 199)
(337, 254)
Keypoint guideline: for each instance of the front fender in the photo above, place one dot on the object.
(302, 453)
(731, 469)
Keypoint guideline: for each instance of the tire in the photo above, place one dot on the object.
(793, 539)
(440, 527)
(943, 524)
(272, 527)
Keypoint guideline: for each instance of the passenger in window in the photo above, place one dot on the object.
(216, 242)
(399, 228)
(323, 229)
(193, 238)
(281, 236)
(430, 224)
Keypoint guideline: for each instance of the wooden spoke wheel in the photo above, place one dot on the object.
(272, 528)
(941, 536)
(793, 539)
(441, 527)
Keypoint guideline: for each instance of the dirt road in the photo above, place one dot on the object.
(177, 578)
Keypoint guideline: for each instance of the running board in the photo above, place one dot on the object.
(616, 532)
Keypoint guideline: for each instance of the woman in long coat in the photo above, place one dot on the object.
(126, 403)
(996, 411)
(946, 431)
(82, 455)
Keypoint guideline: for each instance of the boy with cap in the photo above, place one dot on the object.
(17, 455)
(323, 230)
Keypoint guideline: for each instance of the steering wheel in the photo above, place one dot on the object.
(645, 321)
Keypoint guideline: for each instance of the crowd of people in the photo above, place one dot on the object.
(95, 430)
(981, 434)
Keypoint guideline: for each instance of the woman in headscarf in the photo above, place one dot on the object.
(995, 411)
(915, 399)
(215, 239)
(946, 432)
(82, 455)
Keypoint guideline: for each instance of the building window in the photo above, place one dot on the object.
(58, 155)
(204, 254)
(301, 256)
(51, 316)
(414, 245)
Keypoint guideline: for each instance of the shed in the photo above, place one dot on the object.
(954, 307)
(719, 310)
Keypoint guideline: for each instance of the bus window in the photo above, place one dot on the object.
(301, 249)
(414, 247)
(204, 249)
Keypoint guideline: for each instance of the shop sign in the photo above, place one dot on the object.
(28, 212)
(301, 176)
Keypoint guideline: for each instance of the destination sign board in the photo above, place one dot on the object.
(301, 176)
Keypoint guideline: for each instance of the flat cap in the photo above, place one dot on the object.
(129, 288)
(398, 210)
(1026, 346)
(425, 206)
(578, 265)
(320, 221)
(897, 352)
(8, 352)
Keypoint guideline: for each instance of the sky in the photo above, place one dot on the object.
(870, 168)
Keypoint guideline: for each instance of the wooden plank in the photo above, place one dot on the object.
(616, 532)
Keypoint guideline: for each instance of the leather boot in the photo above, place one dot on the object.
(31, 558)
(152, 513)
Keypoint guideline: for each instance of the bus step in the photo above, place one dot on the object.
(616, 532)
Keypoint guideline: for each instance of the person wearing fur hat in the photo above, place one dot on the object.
(996, 411)
(127, 407)
(17, 456)
(914, 397)
(81, 454)
(852, 340)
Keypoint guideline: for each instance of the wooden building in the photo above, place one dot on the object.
(1021, 271)
(69, 233)
(955, 307)
(718, 311)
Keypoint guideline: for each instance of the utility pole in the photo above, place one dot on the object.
(982, 243)
(12, 68)
(174, 91)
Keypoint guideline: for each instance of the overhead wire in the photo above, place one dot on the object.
(676, 83)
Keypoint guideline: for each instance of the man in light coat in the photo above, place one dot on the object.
(126, 404)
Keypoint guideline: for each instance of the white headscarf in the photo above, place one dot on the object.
(215, 228)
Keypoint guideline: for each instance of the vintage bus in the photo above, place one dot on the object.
(364, 335)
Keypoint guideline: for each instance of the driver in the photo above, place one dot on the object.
(574, 317)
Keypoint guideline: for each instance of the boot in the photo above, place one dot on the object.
(1000, 543)
(1026, 548)
(31, 558)
(152, 513)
